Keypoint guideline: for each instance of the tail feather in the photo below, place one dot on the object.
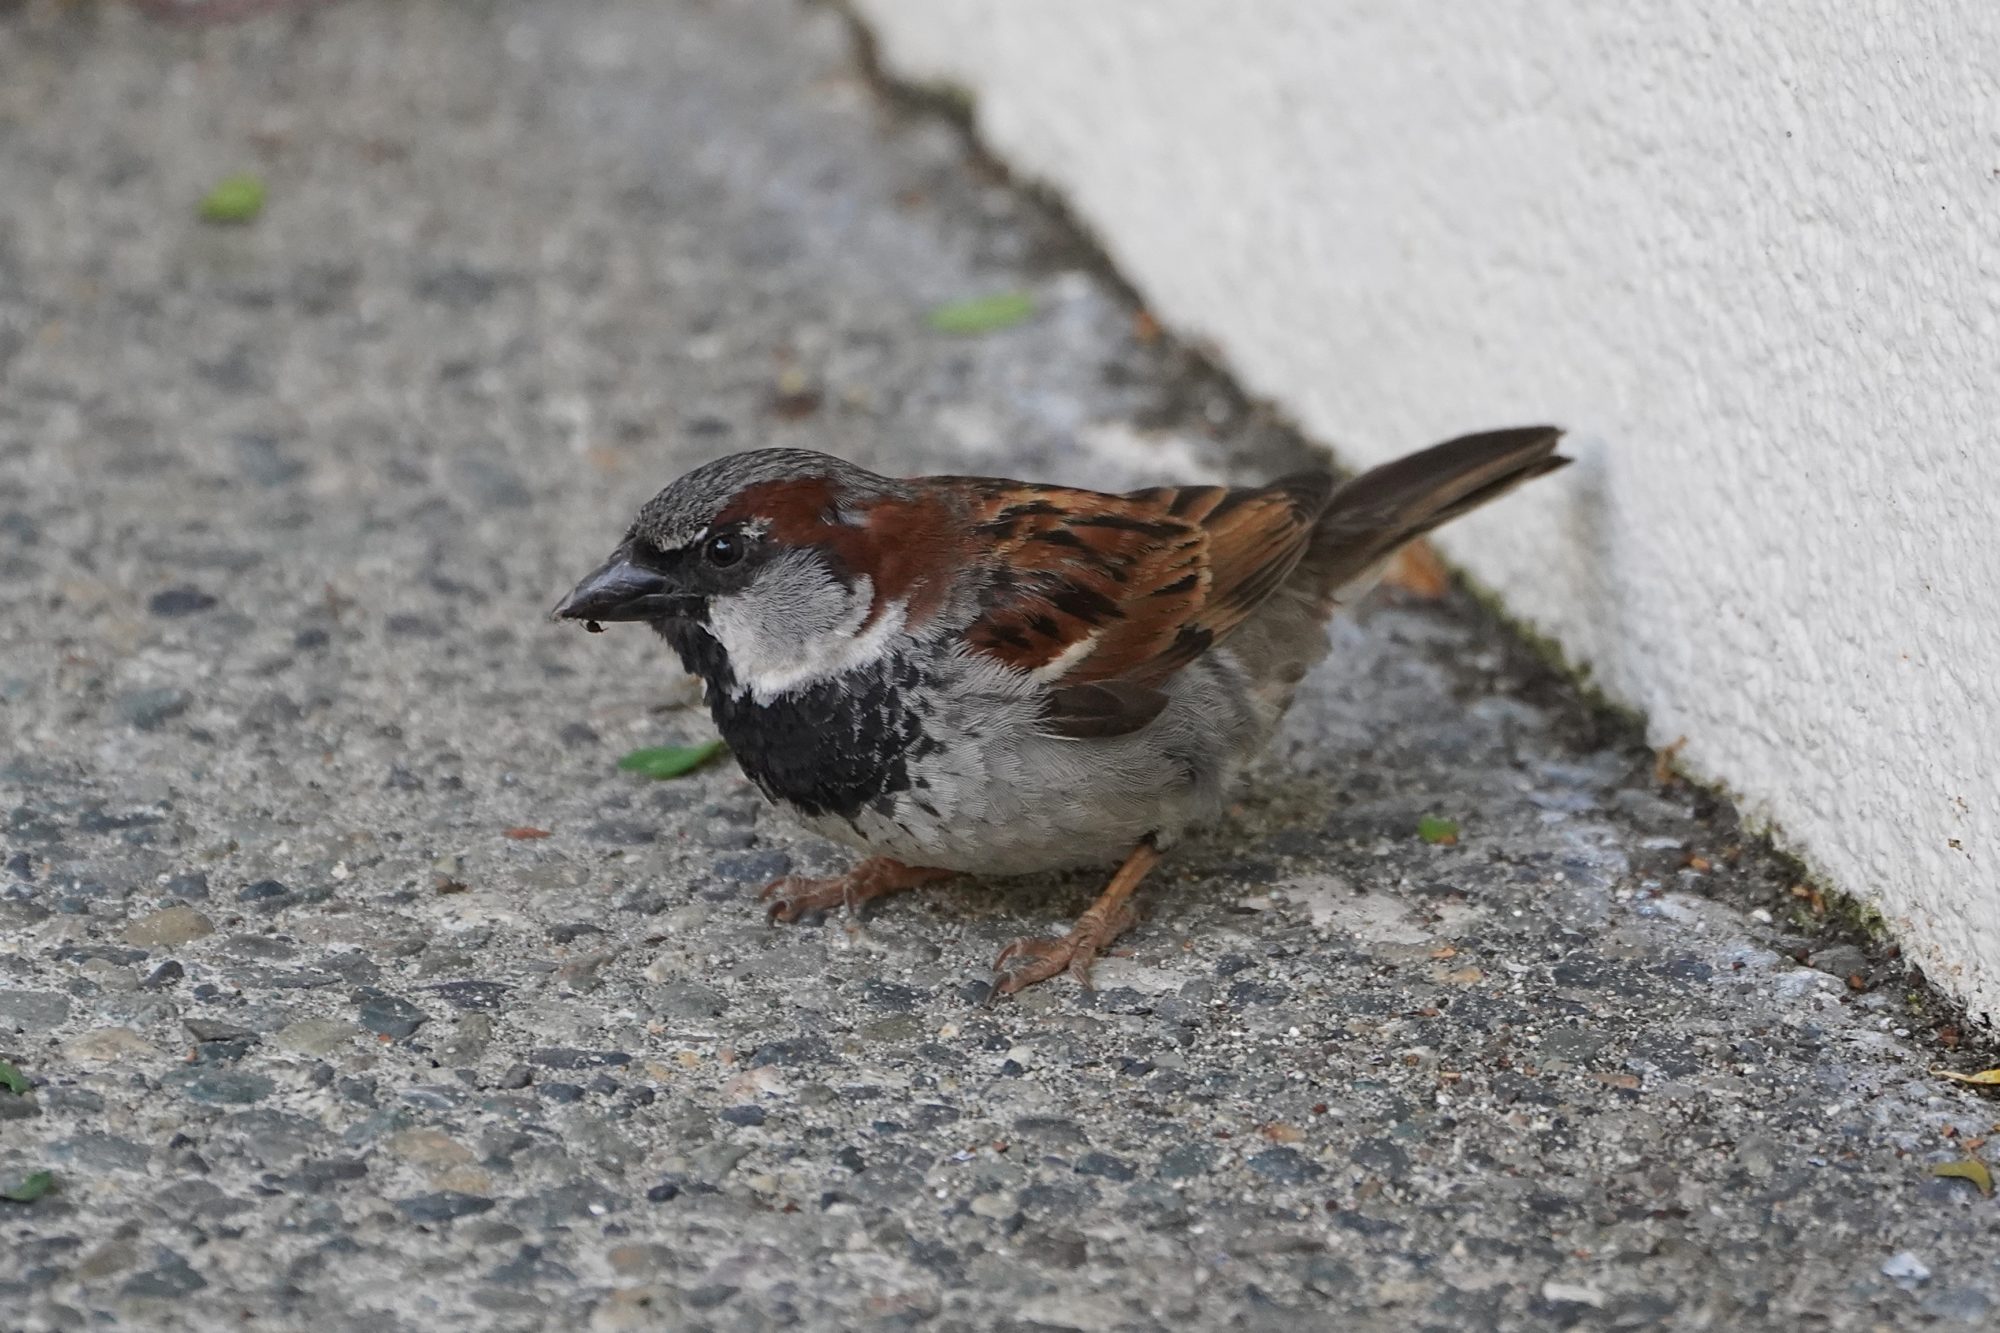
(1369, 517)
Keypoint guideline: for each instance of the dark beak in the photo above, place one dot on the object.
(622, 590)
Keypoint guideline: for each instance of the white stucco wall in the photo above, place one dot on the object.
(1749, 254)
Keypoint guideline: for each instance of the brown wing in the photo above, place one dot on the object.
(1110, 595)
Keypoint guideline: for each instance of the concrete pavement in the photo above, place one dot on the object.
(318, 1044)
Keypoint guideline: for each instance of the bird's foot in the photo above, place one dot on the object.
(792, 897)
(1037, 957)
(1027, 961)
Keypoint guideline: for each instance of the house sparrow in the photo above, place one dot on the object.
(970, 675)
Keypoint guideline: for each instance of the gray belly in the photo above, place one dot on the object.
(1001, 798)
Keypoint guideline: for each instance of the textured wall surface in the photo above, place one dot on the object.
(1754, 264)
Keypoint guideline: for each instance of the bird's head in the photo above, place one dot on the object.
(770, 570)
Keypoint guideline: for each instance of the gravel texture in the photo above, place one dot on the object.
(361, 991)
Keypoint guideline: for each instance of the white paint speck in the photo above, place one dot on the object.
(1904, 1266)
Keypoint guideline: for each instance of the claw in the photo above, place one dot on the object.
(793, 896)
(796, 897)
(1027, 961)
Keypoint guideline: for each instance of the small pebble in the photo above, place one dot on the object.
(179, 602)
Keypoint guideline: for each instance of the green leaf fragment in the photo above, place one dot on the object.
(237, 198)
(983, 314)
(670, 761)
(14, 1080)
(954, 95)
(31, 1188)
(1971, 1169)
(1437, 831)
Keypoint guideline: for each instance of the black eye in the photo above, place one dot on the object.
(723, 549)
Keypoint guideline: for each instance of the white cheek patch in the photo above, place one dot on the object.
(772, 653)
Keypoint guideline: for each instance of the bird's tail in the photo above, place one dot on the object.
(1368, 518)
